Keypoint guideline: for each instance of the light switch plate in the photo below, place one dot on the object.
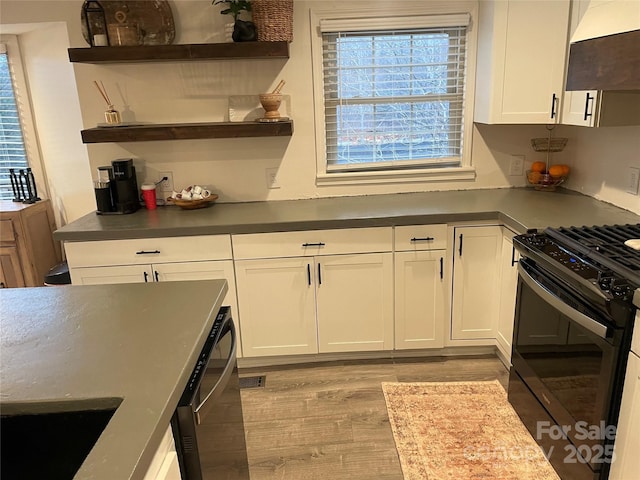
(634, 180)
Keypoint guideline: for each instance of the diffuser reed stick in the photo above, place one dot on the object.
(111, 115)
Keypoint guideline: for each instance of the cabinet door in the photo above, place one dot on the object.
(476, 277)
(355, 302)
(579, 107)
(420, 284)
(627, 463)
(522, 49)
(10, 269)
(106, 275)
(508, 285)
(209, 270)
(277, 306)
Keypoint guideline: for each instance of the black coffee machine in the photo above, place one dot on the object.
(117, 189)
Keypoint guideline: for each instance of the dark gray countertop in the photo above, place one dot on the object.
(520, 208)
(85, 344)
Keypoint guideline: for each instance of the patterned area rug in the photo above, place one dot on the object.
(461, 430)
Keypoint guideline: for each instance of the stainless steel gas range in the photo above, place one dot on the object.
(573, 327)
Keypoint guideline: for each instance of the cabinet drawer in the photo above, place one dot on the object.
(148, 250)
(421, 237)
(312, 242)
(7, 234)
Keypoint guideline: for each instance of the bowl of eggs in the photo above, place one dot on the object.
(542, 178)
(192, 198)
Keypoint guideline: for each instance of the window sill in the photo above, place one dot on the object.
(398, 176)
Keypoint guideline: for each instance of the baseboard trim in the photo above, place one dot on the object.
(379, 355)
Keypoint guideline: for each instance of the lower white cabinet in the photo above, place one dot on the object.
(164, 465)
(277, 299)
(333, 303)
(627, 445)
(476, 282)
(420, 285)
(354, 296)
(508, 286)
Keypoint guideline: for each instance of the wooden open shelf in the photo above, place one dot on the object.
(184, 52)
(186, 131)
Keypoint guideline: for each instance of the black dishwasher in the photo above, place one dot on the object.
(207, 425)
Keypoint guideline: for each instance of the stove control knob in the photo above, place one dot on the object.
(605, 281)
(621, 291)
(538, 240)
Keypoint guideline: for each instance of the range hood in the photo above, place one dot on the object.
(605, 47)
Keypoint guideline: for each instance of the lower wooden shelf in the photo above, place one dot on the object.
(186, 131)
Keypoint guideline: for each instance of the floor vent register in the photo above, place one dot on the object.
(252, 382)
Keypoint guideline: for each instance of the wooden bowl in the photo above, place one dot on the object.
(193, 204)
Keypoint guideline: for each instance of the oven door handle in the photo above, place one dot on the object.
(224, 378)
(580, 318)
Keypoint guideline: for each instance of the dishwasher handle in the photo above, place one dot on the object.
(216, 390)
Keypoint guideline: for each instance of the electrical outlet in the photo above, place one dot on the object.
(634, 180)
(272, 178)
(166, 186)
(516, 167)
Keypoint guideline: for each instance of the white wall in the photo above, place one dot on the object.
(198, 91)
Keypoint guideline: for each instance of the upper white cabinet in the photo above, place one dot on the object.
(420, 285)
(476, 282)
(522, 47)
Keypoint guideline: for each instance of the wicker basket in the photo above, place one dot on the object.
(273, 20)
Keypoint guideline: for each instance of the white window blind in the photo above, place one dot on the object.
(12, 149)
(394, 97)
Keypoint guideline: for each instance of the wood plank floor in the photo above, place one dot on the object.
(329, 421)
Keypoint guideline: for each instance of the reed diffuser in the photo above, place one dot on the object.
(111, 115)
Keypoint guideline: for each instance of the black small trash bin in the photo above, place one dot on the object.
(58, 275)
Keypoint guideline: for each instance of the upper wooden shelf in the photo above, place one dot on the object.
(186, 131)
(178, 53)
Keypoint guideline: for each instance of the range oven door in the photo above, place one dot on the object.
(567, 354)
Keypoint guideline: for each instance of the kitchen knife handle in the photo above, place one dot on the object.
(460, 249)
(147, 252)
(588, 113)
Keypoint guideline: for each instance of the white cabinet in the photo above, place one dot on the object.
(522, 47)
(315, 291)
(277, 299)
(420, 285)
(355, 302)
(164, 465)
(627, 445)
(596, 108)
(476, 282)
(508, 286)
(206, 257)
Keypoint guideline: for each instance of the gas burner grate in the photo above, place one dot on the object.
(605, 245)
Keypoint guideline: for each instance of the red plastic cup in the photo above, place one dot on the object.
(149, 195)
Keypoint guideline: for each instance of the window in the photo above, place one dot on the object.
(394, 96)
(18, 146)
(12, 151)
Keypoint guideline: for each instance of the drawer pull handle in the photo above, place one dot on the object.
(147, 252)
(319, 275)
(441, 268)
(460, 250)
(513, 256)
(308, 274)
(319, 244)
(422, 239)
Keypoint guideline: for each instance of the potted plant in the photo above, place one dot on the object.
(243, 31)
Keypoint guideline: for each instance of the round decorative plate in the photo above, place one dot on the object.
(154, 19)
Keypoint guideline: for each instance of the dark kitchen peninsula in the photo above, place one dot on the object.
(127, 346)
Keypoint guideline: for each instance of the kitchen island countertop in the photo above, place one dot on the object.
(87, 345)
(519, 208)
